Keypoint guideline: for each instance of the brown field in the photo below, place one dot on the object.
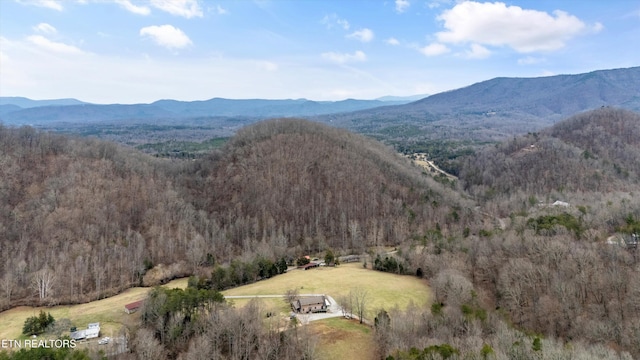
(108, 312)
(339, 338)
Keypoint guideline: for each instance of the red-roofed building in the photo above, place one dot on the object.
(133, 307)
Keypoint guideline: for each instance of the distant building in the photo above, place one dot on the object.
(309, 266)
(92, 331)
(310, 304)
(627, 241)
(133, 307)
(632, 241)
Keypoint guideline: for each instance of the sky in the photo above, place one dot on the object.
(140, 51)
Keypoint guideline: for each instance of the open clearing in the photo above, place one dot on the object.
(339, 338)
(108, 312)
(384, 290)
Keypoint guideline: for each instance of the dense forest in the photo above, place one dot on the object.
(596, 151)
(518, 252)
(84, 218)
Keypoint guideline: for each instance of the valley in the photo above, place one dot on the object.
(463, 259)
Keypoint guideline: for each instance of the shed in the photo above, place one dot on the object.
(133, 307)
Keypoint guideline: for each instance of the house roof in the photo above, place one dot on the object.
(92, 331)
(134, 305)
(311, 300)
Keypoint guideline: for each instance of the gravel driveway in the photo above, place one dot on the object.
(332, 311)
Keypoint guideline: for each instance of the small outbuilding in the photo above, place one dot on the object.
(133, 307)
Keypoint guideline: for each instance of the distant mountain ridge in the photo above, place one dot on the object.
(490, 110)
(21, 111)
(500, 107)
(555, 96)
(25, 103)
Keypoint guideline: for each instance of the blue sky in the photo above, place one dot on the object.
(130, 51)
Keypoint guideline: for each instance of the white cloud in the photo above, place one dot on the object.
(221, 11)
(331, 21)
(343, 58)
(53, 46)
(402, 5)
(50, 4)
(167, 36)
(437, 3)
(127, 5)
(497, 24)
(392, 41)
(364, 35)
(184, 8)
(434, 49)
(45, 28)
(597, 27)
(478, 52)
(530, 60)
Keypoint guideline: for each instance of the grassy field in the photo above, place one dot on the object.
(384, 290)
(339, 338)
(108, 312)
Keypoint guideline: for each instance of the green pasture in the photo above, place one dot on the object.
(384, 290)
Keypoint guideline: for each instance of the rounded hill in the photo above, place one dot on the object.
(312, 185)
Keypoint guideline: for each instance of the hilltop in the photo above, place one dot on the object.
(318, 186)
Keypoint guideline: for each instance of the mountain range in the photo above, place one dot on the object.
(524, 239)
(500, 107)
(21, 111)
(491, 110)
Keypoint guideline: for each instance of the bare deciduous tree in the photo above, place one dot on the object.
(43, 282)
(147, 346)
(291, 295)
(360, 300)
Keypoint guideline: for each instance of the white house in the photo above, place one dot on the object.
(92, 331)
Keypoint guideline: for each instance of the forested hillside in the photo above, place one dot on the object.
(552, 264)
(79, 218)
(512, 274)
(298, 183)
(84, 218)
(596, 151)
(497, 109)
